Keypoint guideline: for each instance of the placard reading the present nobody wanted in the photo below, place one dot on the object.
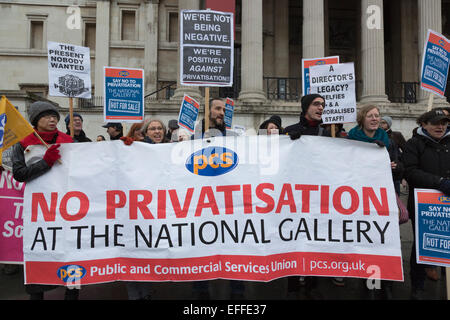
(206, 48)
(69, 70)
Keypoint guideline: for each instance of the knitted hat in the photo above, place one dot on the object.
(388, 121)
(308, 99)
(275, 119)
(39, 109)
(67, 119)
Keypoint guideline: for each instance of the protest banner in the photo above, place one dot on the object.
(229, 111)
(435, 64)
(188, 113)
(432, 227)
(307, 63)
(123, 94)
(206, 48)
(336, 83)
(237, 208)
(11, 224)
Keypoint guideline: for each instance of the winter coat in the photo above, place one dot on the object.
(303, 127)
(81, 137)
(426, 162)
(27, 154)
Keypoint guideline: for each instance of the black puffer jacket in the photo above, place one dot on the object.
(426, 161)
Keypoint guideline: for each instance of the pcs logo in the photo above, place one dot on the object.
(212, 161)
(124, 73)
(71, 272)
(441, 42)
(444, 199)
(320, 62)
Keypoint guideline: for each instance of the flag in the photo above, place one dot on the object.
(13, 127)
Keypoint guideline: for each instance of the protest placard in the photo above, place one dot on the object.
(206, 48)
(229, 111)
(188, 114)
(239, 208)
(69, 70)
(307, 63)
(123, 95)
(336, 83)
(435, 63)
(11, 223)
(432, 227)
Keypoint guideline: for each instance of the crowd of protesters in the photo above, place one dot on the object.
(421, 162)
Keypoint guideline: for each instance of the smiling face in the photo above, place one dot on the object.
(371, 121)
(155, 131)
(315, 110)
(436, 130)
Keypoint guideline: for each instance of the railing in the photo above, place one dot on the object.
(93, 102)
(169, 91)
(403, 92)
(287, 89)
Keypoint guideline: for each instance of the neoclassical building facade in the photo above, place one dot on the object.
(384, 40)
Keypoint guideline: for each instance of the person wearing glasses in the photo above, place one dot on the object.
(310, 118)
(31, 159)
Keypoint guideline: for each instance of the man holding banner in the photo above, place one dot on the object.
(216, 122)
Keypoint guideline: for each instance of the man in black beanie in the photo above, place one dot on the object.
(309, 124)
(310, 118)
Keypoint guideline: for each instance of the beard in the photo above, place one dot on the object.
(218, 123)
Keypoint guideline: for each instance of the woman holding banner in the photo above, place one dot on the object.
(368, 130)
(155, 132)
(31, 159)
(427, 163)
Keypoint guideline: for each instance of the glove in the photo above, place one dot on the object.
(127, 140)
(444, 186)
(52, 154)
(295, 135)
(380, 143)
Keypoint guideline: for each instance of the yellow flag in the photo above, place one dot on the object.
(13, 127)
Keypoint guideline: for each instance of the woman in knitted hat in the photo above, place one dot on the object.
(272, 125)
(31, 159)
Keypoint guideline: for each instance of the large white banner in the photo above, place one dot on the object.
(69, 70)
(253, 208)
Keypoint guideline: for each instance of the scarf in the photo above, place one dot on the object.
(358, 134)
(50, 137)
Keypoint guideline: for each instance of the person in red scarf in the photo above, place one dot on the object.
(31, 159)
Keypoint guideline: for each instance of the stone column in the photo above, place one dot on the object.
(151, 46)
(102, 32)
(313, 29)
(282, 38)
(429, 17)
(372, 52)
(191, 91)
(252, 53)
